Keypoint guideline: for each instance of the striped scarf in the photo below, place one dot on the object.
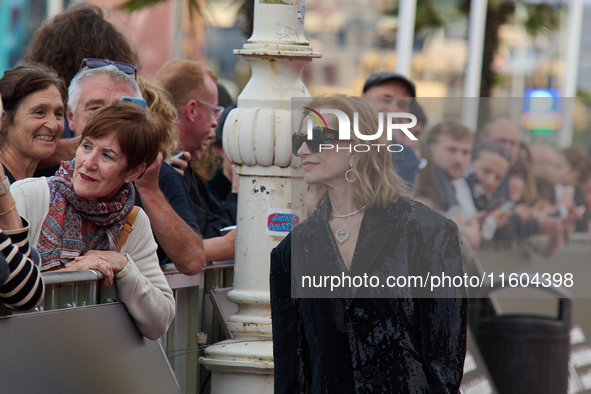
(62, 236)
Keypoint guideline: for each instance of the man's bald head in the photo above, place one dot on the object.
(505, 131)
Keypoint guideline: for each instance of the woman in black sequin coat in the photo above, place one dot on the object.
(369, 338)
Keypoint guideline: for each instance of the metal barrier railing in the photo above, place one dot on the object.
(69, 289)
(182, 335)
(193, 325)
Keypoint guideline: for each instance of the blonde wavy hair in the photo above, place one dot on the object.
(159, 103)
(376, 182)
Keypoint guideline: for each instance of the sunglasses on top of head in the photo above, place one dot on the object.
(128, 69)
(319, 136)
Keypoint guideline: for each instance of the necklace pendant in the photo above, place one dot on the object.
(341, 235)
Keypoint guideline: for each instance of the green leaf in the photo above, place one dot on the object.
(135, 5)
(541, 18)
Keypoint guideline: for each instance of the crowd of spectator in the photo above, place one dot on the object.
(493, 184)
(71, 114)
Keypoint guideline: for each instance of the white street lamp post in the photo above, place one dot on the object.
(405, 36)
(257, 137)
(54, 7)
(571, 71)
(473, 76)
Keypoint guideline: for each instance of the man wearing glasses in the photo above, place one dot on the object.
(507, 133)
(163, 192)
(194, 93)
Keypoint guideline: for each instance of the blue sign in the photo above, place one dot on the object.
(541, 111)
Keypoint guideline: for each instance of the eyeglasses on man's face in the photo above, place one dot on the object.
(128, 69)
(217, 110)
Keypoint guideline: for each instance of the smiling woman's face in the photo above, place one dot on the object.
(100, 168)
(37, 125)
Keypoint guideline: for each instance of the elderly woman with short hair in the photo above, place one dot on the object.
(364, 338)
(76, 217)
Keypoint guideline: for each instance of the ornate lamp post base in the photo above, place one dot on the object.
(257, 138)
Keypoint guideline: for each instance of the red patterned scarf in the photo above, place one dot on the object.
(62, 237)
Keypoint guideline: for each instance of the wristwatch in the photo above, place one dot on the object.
(4, 186)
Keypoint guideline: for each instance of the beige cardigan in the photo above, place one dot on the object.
(141, 284)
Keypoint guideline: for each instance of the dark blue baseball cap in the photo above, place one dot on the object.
(378, 78)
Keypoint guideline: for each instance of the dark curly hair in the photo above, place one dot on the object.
(80, 31)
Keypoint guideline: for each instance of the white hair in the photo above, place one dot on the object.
(86, 73)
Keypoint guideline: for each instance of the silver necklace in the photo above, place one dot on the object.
(348, 214)
(342, 234)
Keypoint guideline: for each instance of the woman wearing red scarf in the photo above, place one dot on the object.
(76, 216)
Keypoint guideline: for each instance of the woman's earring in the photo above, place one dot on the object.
(347, 173)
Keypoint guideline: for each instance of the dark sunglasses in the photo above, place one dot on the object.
(319, 136)
(128, 69)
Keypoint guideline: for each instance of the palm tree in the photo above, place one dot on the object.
(431, 16)
(541, 18)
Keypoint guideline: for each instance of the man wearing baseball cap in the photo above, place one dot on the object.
(389, 84)
(393, 92)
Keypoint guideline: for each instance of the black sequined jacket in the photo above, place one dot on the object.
(359, 342)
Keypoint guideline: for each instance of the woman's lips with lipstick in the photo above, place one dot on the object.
(86, 178)
(308, 164)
